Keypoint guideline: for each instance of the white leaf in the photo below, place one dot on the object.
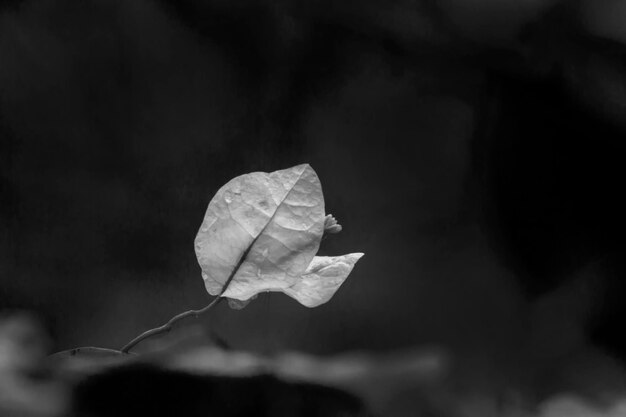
(266, 229)
(322, 278)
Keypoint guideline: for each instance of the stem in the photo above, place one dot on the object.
(168, 326)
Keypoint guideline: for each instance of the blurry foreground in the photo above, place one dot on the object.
(194, 378)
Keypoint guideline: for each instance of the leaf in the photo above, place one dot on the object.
(322, 278)
(265, 228)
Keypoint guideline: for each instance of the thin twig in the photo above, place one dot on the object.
(168, 326)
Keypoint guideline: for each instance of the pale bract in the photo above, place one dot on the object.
(266, 228)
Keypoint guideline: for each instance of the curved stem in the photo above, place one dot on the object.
(168, 326)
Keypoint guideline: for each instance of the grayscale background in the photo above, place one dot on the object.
(473, 150)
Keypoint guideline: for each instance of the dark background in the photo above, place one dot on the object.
(472, 149)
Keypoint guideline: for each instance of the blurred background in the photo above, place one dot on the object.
(472, 149)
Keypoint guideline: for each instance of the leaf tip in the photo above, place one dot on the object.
(355, 256)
